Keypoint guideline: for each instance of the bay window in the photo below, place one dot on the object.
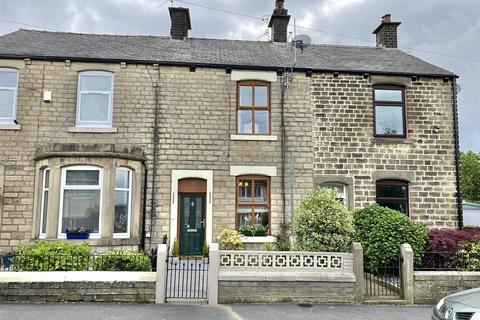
(80, 201)
(44, 202)
(123, 191)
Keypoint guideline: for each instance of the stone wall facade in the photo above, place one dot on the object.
(431, 286)
(345, 146)
(196, 110)
(36, 292)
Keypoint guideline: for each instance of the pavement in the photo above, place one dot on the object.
(100, 311)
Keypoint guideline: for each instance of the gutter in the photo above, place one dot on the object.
(457, 155)
(219, 65)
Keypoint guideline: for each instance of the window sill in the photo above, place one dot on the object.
(384, 140)
(101, 241)
(259, 239)
(92, 130)
(8, 126)
(252, 137)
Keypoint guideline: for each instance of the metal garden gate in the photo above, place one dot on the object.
(383, 279)
(187, 277)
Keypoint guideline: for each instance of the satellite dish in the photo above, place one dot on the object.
(301, 41)
(459, 88)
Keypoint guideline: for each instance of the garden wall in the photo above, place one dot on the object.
(276, 276)
(74, 286)
(431, 286)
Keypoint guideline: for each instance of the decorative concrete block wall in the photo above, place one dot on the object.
(431, 286)
(276, 276)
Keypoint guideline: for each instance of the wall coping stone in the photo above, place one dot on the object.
(77, 276)
(446, 275)
(287, 275)
(58, 150)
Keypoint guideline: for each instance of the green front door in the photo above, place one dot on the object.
(192, 223)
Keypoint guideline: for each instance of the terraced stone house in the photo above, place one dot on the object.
(142, 138)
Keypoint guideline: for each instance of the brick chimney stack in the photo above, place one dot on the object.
(386, 32)
(180, 18)
(279, 22)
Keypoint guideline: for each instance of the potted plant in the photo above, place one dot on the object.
(7, 259)
(253, 230)
(78, 233)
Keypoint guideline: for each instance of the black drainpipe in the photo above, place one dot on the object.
(144, 216)
(457, 154)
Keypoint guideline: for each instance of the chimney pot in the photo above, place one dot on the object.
(386, 32)
(180, 19)
(387, 18)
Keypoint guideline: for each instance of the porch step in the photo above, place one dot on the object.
(385, 300)
(187, 301)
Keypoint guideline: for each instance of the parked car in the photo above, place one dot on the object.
(464, 305)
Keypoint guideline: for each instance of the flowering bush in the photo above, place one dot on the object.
(322, 223)
(230, 240)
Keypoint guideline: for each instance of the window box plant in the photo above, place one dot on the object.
(253, 230)
(78, 233)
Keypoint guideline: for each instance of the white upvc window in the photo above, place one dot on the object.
(123, 203)
(95, 99)
(339, 188)
(8, 95)
(44, 203)
(81, 199)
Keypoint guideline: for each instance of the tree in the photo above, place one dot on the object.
(470, 176)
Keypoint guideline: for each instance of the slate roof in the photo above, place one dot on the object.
(214, 52)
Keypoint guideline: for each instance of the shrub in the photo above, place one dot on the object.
(52, 256)
(230, 240)
(382, 231)
(176, 248)
(450, 240)
(122, 261)
(469, 256)
(322, 223)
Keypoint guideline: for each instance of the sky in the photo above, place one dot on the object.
(443, 32)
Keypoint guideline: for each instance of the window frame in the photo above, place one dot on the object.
(380, 103)
(393, 182)
(329, 185)
(253, 108)
(129, 205)
(63, 187)
(44, 189)
(253, 204)
(15, 90)
(94, 124)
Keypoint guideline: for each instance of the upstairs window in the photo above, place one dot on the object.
(94, 99)
(389, 104)
(253, 107)
(393, 194)
(253, 200)
(8, 95)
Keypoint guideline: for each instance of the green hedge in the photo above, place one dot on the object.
(122, 261)
(469, 256)
(52, 256)
(382, 231)
(322, 223)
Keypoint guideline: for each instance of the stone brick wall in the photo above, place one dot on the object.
(344, 144)
(285, 291)
(431, 286)
(197, 116)
(138, 291)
